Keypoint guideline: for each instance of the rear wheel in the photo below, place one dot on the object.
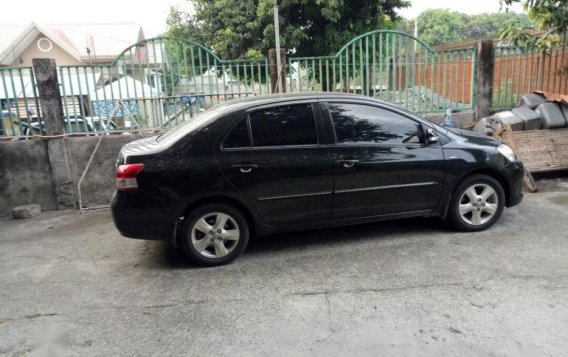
(214, 234)
(477, 203)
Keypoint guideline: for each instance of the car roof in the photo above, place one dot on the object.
(247, 102)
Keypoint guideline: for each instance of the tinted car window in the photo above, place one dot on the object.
(357, 123)
(285, 125)
(199, 121)
(239, 136)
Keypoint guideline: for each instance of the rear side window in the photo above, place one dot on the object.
(239, 137)
(285, 125)
(358, 123)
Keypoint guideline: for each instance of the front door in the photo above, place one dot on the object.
(382, 162)
(273, 157)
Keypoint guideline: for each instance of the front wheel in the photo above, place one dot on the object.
(477, 203)
(214, 234)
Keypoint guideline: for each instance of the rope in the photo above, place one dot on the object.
(119, 106)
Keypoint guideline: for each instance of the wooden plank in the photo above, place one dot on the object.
(543, 150)
(506, 135)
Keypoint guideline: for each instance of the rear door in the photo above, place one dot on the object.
(382, 162)
(273, 156)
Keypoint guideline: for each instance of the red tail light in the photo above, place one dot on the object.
(126, 176)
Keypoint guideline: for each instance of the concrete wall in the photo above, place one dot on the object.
(25, 175)
(99, 183)
(25, 171)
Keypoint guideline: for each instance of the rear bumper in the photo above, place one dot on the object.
(136, 221)
(514, 173)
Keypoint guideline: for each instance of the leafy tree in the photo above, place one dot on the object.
(182, 25)
(233, 28)
(439, 26)
(551, 17)
(491, 25)
(549, 14)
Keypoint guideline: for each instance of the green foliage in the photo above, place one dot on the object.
(491, 25)
(183, 26)
(550, 15)
(253, 54)
(439, 26)
(524, 36)
(313, 27)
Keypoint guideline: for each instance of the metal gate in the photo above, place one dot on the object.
(155, 83)
(392, 66)
(160, 82)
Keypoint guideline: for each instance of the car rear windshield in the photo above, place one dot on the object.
(192, 124)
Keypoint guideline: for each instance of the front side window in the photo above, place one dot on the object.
(284, 125)
(365, 124)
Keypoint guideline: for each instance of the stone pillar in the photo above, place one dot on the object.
(45, 71)
(274, 71)
(484, 78)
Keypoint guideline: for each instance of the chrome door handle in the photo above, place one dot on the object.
(246, 168)
(347, 163)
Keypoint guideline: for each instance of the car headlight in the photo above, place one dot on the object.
(507, 152)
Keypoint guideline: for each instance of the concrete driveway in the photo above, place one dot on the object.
(69, 284)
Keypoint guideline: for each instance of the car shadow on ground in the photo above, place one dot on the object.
(360, 233)
(165, 256)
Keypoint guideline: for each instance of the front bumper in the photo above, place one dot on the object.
(514, 173)
(133, 220)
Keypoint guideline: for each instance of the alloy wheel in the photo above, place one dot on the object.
(478, 204)
(215, 235)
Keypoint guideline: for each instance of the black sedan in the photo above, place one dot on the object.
(291, 162)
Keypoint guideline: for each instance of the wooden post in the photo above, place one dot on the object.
(484, 78)
(45, 71)
(274, 71)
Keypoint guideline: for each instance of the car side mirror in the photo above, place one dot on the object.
(432, 136)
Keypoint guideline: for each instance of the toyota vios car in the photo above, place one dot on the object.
(270, 164)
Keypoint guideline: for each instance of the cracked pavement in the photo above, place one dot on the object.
(70, 285)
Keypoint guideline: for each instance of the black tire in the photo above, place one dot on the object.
(205, 257)
(460, 197)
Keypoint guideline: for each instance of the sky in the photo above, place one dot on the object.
(152, 14)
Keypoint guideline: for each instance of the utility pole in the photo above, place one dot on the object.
(45, 71)
(277, 40)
